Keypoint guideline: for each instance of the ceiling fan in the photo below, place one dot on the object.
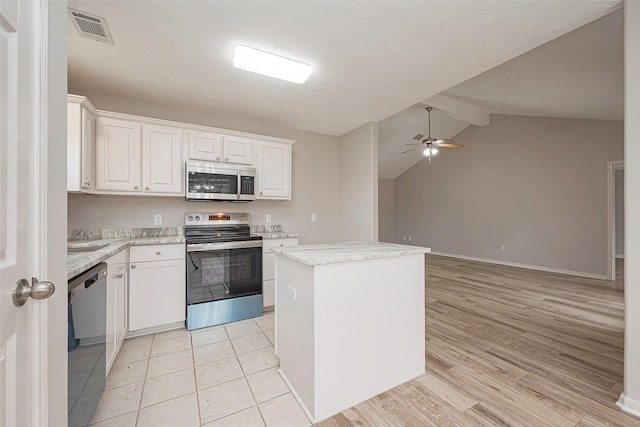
(430, 145)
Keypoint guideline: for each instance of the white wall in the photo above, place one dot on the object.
(536, 185)
(315, 180)
(386, 210)
(630, 398)
(619, 190)
(359, 184)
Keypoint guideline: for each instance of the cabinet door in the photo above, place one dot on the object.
(237, 149)
(274, 170)
(118, 165)
(87, 159)
(156, 294)
(205, 146)
(162, 159)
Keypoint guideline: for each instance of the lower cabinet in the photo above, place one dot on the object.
(156, 286)
(268, 267)
(116, 305)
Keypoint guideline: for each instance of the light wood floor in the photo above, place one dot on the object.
(510, 347)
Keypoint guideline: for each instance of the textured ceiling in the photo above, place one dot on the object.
(371, 59)
(579, 75)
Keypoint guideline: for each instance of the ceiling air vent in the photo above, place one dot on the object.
(418, 137)
(91, 26)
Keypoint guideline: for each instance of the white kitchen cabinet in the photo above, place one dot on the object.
(214, 147)
(118, 150)
(274, 170)
(156, 287)
(237, 149)
(138, 158)
(205, 146)
(268, 267)
(116, 305)
(162, 165)
(80, 144)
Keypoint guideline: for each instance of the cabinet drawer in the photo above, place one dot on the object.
(156, 253)
(269, 244)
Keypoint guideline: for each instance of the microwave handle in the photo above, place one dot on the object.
(239, 185)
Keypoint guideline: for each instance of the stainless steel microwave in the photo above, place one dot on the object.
(215, 181)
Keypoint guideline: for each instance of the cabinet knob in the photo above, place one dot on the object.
(133, 266)
(87, 183)
(135, 187)
(226, 159)
(158, 253)
(261, 193)
(218, 158)
(146, 188)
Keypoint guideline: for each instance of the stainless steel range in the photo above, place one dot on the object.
(224, 269)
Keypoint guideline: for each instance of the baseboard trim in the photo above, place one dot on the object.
(527, 266)
(629, 405)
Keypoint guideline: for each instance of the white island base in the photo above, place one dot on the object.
(349, 327)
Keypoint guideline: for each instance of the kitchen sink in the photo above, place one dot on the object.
(80, 249)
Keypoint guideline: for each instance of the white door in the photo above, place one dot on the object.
(23, 215)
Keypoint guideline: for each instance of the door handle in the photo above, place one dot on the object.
(37, 290)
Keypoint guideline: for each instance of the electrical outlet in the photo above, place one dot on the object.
(503, 248)
(157, 219)
(268, 218)
(409, 238)
(404, 237)
(314, 217)
(292, 292)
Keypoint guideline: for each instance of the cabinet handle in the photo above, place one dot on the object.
(158, 253)
(135, 187)
(146, 188)
(226, 159)
(133, 266)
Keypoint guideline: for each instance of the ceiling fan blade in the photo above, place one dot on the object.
(450, 145)
(410, 149)
(418, 143)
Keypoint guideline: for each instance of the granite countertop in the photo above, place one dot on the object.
(347, 252)
(78, 262)
(277, 235)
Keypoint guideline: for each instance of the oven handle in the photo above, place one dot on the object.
(200, 247)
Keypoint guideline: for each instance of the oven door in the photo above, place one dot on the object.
(220, 271)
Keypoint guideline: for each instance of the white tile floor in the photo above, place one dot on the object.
(221, 376)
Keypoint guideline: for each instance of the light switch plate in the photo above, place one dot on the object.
(292, 292)
(268, 218)
(157, 219)
(314, 217)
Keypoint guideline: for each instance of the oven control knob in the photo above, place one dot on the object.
(190, 218)
(197, 217)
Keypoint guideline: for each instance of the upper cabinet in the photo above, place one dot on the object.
(80, 144)
(274, 170)
(114, 153)
(214, 147)
(162, 165)
(118, 151)
(138, 158)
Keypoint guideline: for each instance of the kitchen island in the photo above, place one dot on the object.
(349, 321)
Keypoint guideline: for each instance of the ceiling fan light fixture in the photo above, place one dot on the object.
(268, 64)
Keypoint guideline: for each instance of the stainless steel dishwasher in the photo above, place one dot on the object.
(87, 327)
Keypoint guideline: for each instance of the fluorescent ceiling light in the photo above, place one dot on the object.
(260, 62)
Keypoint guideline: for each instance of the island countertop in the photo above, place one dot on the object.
(346, 252)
